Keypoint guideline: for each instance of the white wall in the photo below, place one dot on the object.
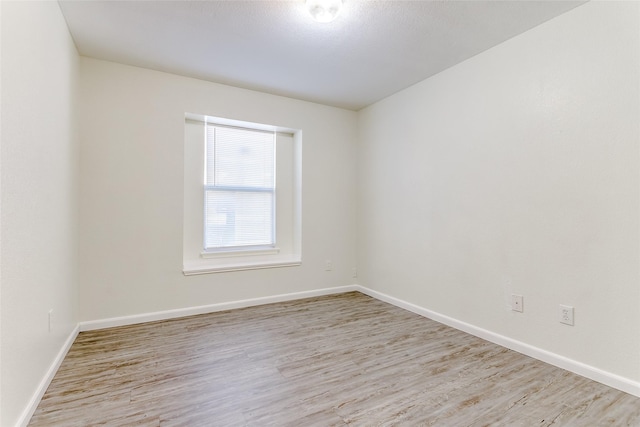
(516, 172)
(1, 405)
(131, 191)
(39, 197)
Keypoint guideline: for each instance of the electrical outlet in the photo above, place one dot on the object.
(516, 303)
(328, 265)
(50, 320)
(566, 314)
(354, 272)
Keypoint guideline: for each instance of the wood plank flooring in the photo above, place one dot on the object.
(331, 361)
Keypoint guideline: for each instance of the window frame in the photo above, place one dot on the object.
(245, 249)
(288, 193)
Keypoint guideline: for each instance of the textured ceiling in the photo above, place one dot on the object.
(372, 50)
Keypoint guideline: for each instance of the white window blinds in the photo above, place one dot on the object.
(239, 190)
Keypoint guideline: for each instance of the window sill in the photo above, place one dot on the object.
(238, 264)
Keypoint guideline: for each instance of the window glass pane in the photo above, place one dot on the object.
(238, 218)
(240, 158)
(239, 191)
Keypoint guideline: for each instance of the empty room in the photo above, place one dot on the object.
(320, 213)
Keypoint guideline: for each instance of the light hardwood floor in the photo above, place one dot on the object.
(331, 361)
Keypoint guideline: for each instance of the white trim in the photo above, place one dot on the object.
(227, 253)
(200, 118)
(26, 415)
(612, 380)
(223, 267)
(579, 368)
(211, 308)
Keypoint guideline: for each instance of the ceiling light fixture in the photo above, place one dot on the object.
(324, 10)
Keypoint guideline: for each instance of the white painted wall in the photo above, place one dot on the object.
(131, 191)
(39, 197)
(516, 172)
(1, 406)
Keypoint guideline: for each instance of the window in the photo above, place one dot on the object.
(242, 188)
(239, 190)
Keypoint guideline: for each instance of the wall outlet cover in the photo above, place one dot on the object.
(516, 303)
(566, 314)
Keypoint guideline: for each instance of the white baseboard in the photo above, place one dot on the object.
(46, 380)
(604, 377)
(211, 308)
(607, 378)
